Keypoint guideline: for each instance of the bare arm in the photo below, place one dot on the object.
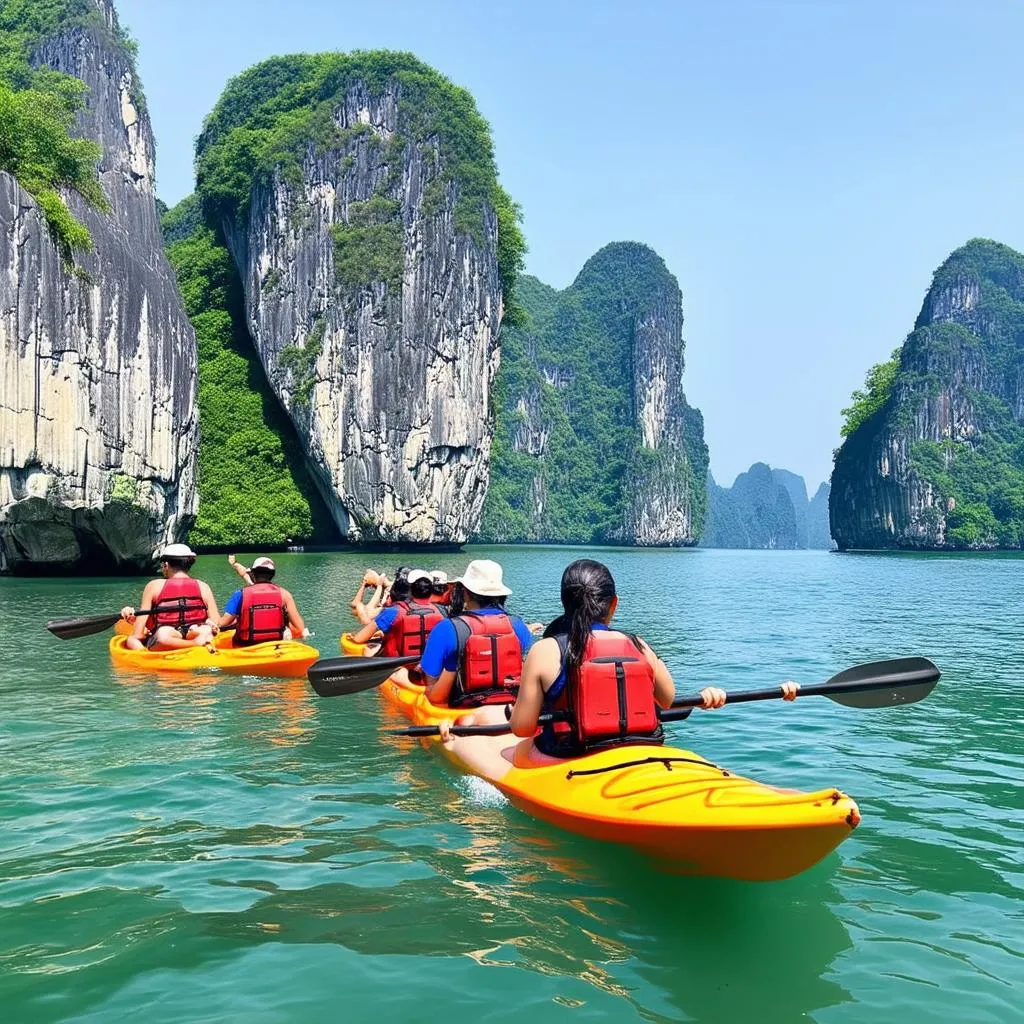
(298, 627)
(366, 633)
(212, 615)
(664, 687)
(543, 662)
(240, 569)
(149, 594)
(357, 606)
(439, 688)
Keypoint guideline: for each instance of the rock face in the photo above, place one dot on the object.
(939, 464)
(595, 441)
(766, 508)
(375, 310)
(97, 370)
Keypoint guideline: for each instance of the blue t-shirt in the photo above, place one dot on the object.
(234, 605)
(386, 619)
(442, 650)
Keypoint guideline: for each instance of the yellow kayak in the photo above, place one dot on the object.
(666, 802)
(282, 658)
(349, 646)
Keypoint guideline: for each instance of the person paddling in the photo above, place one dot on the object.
(408, 621)
(604, 686)
(262, 612)
(184, 612)
(476, 657)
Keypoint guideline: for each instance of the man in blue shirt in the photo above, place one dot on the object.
(449, 680)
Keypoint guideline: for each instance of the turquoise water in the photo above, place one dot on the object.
(236, 849)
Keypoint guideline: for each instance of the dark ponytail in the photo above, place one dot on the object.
(587, 594)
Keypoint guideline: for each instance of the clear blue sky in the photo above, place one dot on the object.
(802, 167)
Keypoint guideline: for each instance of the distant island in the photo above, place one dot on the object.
(766, 508)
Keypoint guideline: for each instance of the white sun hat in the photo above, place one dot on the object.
(176, 551)
(483, 577)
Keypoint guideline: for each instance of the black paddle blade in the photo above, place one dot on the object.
(72, 629)
(338, 677)
(883, 684)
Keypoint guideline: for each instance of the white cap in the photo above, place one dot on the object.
(417, 574)
(264, 563)
(439, 577)
(176, 551)
(483, 577)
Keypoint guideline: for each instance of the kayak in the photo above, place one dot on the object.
(666, 802)
(284, 658)
(349, 646)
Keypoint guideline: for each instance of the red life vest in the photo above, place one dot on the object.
(408, 633)
(490, 661)
(607, 702)
(179, 604)
(262, 616)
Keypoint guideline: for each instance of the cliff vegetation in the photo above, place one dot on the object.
(254, 488)
(271, 116)
(38, 111)
(568, 447)
(934, 449)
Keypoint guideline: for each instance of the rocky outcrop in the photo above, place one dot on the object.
(375, 310)
(818, 533)
(756, 512)
(595, 441)
(766, 508)
(939, 464)
(97, 367)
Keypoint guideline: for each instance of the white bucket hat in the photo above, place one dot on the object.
(176, 551)
(483, 577)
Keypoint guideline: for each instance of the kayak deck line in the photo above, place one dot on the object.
(666, 761)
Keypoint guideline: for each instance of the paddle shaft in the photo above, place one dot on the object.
(683, 707)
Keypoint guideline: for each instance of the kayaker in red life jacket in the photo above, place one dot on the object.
(475, 658)
(262, 612)
(607, 684)
(184, 610)
(407, 622)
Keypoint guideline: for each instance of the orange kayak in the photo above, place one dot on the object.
(284, 658)
(667, 802)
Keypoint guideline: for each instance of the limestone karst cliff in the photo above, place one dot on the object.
(933, 450)
(97, 359)
(358, 197)
(595, 442)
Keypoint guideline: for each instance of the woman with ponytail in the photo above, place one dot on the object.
(603, 685)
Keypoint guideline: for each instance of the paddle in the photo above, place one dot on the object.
(72, 629)
(336, 677)
(879, 684)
